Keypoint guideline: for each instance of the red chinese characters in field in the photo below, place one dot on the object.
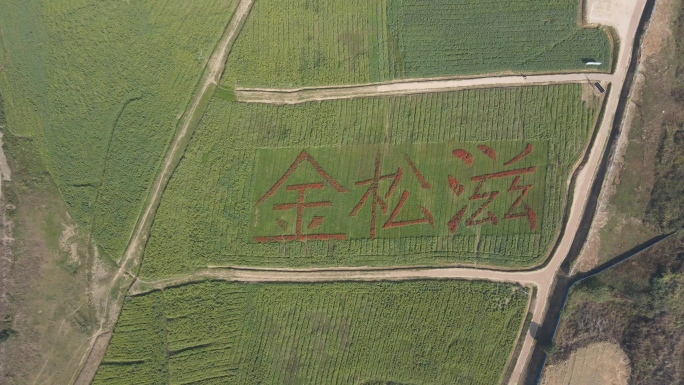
(301, 204)
(483, 199)
(492, 186)
(379, 200)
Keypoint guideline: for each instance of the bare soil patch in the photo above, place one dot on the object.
(599, 363)
(4, 167)
(615, 13)
(49, 308)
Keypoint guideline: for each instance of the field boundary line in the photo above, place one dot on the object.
(305, 270)
(489, 75)
(303, 95)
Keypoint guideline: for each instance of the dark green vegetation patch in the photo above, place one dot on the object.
(212, 209)
(421, 332)
(447, 37)
(289, 43)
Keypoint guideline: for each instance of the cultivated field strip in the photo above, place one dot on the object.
(201, 220)
(310, 41)
(137, 353)
(433, 332)
(446, 37)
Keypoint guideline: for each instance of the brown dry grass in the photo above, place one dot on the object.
(49, 302)
(599, 363)
(627, 191)
(49, 308)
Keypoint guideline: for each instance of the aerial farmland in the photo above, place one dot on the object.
(300, 191)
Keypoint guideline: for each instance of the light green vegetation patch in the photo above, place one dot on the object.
(290, 43)
(208, 209)
(420, 332)
(398, 191)
(102, 85)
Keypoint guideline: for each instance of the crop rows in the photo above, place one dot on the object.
(208, 208)
(291, 43)
(421, 332)
(102, 87)
(446, 37)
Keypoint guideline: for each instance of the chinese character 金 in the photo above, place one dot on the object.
(301, 204)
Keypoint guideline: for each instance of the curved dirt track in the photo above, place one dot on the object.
(542, 278)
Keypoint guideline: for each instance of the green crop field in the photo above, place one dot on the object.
(446, 37)
(289, 43)
(420, 332)
(249, 188)
(102, 85)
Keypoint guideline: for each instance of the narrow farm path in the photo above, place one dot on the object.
(317, 275)
(303, 95)
(131, 259)
(543, 278)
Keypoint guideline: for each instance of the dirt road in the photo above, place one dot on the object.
(583, 184)
(303, 95)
